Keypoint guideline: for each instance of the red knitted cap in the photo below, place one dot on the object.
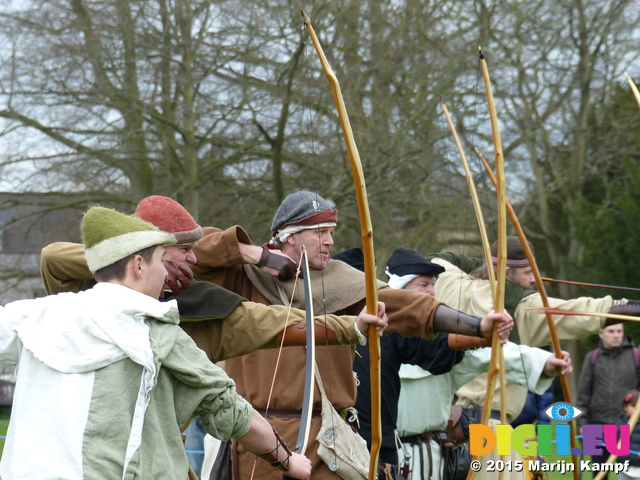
(169, 216)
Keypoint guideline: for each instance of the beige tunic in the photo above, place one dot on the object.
(532, 326)
(471, 295)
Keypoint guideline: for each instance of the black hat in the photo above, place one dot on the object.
(404, 261)
(352, 256)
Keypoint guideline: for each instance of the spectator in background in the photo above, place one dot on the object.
(629, 405)
(608, 373)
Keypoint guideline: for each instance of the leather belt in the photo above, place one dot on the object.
(439, 436)
(286, 413)
(495, 415)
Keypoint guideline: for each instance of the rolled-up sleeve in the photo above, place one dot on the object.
(204, 389)
(532, 325)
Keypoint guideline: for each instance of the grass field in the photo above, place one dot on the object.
(4, 423)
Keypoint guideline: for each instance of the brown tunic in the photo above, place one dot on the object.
(220, 261)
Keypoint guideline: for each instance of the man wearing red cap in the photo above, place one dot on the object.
(228, 258)
(165, 213)
(203, 305)
(222, 323)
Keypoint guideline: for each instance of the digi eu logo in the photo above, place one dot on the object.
(562, 412)
(540, 439)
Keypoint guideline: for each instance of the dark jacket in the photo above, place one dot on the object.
(603, 385)
(433, 355)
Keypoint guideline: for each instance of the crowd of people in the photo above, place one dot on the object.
(126, 349)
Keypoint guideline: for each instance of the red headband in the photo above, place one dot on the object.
(325, 216)
(513, 263)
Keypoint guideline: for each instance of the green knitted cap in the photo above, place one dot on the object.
(109, 236)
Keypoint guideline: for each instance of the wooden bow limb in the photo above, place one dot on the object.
(496, 365)
(633, 420)
(585, 284)
(309, 374)
(563, 311)
(367, 248)
(555, 341)
(634, 89)
(483, 235)
(498, 304)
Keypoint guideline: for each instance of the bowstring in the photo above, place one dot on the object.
(284, 334)
(448, 166)
(468, 204)
(486, 190)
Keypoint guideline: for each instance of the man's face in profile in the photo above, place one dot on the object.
(521, 276)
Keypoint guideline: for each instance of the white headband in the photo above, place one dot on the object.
(399, 282)
(286, 231)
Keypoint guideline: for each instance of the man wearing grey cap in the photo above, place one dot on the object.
(228, 258)
(222, 323)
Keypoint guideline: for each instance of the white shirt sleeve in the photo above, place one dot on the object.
(10, 344)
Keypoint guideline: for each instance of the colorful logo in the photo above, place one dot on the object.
(562, 412)
(533, 440)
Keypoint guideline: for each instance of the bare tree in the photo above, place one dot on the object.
(223, 106)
